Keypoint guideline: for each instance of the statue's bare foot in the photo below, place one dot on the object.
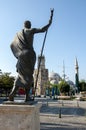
(11, 98)
(29, 99)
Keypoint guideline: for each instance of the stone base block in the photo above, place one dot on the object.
(19, 117)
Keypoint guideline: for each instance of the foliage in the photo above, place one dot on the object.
(64, 87)
(6, 81)
(82, 85)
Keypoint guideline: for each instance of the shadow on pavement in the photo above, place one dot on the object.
(64, 110)
(49, 126)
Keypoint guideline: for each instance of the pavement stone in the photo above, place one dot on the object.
(73, 115)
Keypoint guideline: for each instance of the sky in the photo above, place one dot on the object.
(66, 37)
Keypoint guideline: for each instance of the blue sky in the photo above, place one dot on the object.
(66, 38)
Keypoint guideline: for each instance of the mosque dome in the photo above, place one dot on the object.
(54, 76)
(70, 82)
(54, 81)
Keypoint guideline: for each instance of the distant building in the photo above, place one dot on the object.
(42, 77)
(45, 77)
(72, 86)
(54, 78)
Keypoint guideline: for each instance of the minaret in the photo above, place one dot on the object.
(64, 75)
(77, 74)
(64, 71)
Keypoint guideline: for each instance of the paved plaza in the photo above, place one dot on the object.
(63, 115)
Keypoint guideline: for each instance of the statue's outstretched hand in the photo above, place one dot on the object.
(50, 21)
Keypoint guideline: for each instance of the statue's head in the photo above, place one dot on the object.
(27, 24)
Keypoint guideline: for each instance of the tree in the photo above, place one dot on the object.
(82, 85)
(47, 88)
(64, 87)
(6, 82)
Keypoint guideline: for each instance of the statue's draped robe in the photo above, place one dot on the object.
(22, 49)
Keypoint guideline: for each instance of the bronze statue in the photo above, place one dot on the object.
(22, 48)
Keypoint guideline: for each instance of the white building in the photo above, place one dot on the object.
(54, 78)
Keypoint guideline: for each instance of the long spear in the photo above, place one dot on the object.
(42, 52)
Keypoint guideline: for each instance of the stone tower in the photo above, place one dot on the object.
(77, 74)
(42, 77)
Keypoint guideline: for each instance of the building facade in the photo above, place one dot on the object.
(42, 81)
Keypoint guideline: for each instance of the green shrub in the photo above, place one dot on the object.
(64, 87)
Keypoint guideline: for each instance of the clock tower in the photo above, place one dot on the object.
(42, 77)
(42, 63)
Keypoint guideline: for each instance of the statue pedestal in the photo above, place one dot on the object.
(19, 117)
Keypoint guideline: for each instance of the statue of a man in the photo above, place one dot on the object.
(22, 48)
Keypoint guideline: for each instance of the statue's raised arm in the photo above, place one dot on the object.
(51, 17)
(45, 28)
